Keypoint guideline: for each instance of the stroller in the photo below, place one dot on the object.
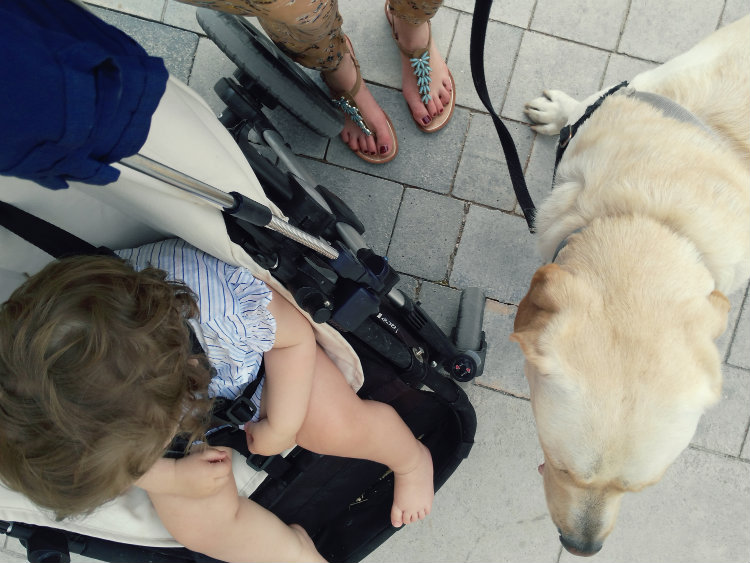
(203, 180)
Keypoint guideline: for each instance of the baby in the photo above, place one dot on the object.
(97, 376)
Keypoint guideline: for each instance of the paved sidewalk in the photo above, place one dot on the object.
(445, 214)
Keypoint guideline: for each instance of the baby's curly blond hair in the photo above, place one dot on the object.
(94, 380)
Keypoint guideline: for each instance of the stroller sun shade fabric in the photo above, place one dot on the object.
(76, 93)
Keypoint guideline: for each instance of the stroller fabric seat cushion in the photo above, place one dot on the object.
(130, 518)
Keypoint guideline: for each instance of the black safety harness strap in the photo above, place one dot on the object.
(50, 238)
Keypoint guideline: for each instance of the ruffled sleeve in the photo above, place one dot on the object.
(236, 326)
(236, 342)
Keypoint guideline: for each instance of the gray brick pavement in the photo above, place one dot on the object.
(444, 214)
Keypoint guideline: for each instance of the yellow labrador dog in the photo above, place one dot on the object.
(645, 232)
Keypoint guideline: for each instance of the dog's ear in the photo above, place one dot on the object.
(720, 305)
(535, 310)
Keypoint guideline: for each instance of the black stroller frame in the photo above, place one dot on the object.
(408, 361)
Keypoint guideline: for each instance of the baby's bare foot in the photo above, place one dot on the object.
(413, 490)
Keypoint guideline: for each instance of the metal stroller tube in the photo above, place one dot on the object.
(303, 238)
(232, 203)
(160, 171)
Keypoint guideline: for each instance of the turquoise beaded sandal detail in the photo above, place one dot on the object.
(420, 63)
(344, 100)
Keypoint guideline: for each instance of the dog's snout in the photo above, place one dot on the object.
(582, 549)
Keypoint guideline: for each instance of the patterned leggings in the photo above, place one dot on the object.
(309, 31)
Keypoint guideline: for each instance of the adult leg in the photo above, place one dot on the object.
(339, 423)
(309, 32)
(410, 25)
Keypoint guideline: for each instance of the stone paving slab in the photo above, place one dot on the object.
(622, 67)
(487, 236)
(693, 514)
(657, 31)
(739, 354)
(545, 62)
(500, 49)
(724, 342)
(722, 429)
(210, 64)
(177, 47)
(482, 175)
(181, 15)
(425, 235)
(478, 515)
(515, 12)
(562, 18)
(733, 10)
(503, 369)
(431, 168)
(147, 9)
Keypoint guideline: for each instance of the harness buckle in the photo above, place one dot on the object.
(240, 411)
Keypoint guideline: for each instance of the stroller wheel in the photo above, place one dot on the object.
(274, 72)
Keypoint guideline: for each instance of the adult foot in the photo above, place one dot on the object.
(381, 142)
(413, 489)
(412, 38)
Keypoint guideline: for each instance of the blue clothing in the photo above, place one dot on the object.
(235, 324)
(76, 93)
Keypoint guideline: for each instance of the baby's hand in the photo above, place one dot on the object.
(203, 473)
(262, 439)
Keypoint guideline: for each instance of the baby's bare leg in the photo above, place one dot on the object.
(339, 423)
(233, 529)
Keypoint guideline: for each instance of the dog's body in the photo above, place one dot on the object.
(647, 229)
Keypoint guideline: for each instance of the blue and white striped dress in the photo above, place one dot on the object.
(236, 327)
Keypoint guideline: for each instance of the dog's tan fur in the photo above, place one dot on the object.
(618, 333)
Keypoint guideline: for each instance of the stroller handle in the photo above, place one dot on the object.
(232, 203)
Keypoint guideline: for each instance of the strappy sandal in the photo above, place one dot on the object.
(420, 62)
(344, 100)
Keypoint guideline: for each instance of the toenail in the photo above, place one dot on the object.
(383, 149)
(426, 119)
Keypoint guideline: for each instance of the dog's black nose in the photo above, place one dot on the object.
(581, 549)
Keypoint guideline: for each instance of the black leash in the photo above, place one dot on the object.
(476, 56)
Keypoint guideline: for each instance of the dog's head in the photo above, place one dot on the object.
(617, 390)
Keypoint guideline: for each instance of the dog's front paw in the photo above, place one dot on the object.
(550, 112)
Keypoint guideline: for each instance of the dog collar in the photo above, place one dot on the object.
(569, 131)
(564, 242)
(668, 108)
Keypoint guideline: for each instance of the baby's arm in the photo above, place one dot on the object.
(289, 375)
(231, 528)
(197, 475)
